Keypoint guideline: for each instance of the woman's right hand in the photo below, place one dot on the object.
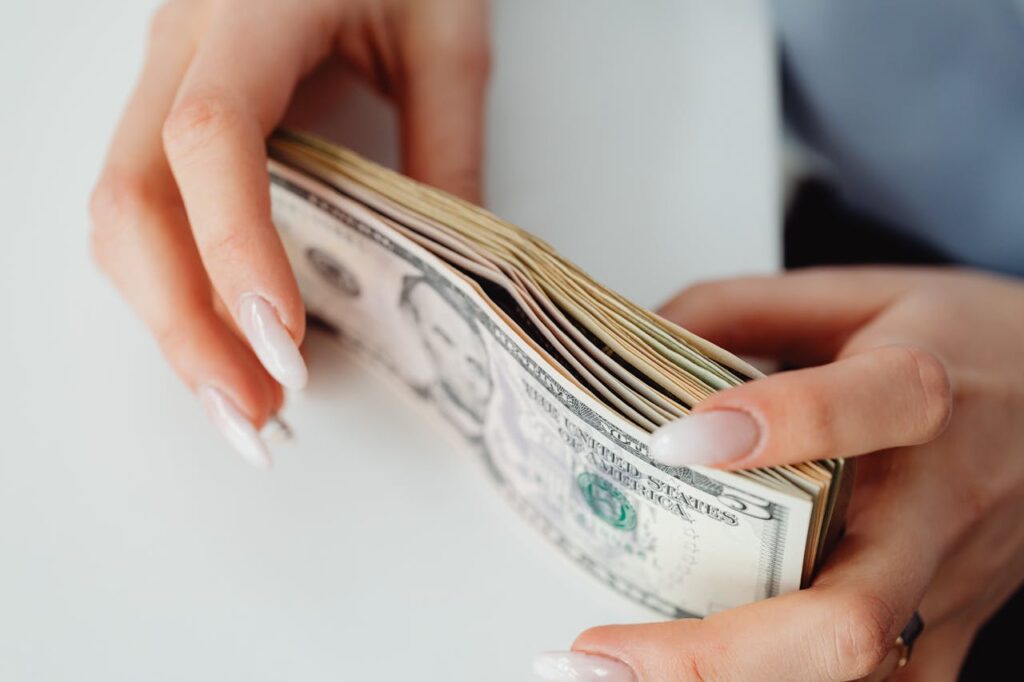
(181, 212)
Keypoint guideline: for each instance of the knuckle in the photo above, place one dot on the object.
(102, 240)
(195, 120)
(934, 388)
(863, 633)
(116, 195)
(101, 246)
(117, 200)
(692, 668)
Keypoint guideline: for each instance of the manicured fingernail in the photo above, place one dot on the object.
(238, 430)
(271, 342)
(276, 430)
(573, 666)
(709, 438)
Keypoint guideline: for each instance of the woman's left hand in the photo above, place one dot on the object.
(920, 372)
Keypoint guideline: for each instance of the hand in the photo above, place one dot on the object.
(182, 209)
(924, 379)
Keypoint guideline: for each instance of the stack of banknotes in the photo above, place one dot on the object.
(554, 381)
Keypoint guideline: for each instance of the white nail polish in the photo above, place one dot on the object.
(573, 666)
(271, 341)
(276, 430)
(238, 430)
(707, 438)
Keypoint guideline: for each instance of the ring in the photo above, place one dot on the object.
(905, 642)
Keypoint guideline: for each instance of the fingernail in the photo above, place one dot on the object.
(238, 430)
(579, 667)
(709, 438)
(276, 430)
(271, 342)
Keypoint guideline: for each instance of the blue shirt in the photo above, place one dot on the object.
(918, 106)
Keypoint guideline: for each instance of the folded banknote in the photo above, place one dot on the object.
(554, 381)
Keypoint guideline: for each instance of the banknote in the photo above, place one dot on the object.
(423, 309)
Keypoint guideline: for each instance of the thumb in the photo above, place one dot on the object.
(840, 631)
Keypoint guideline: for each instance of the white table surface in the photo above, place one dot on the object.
(639, 138)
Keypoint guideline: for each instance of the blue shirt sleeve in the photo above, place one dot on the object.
(918, 106)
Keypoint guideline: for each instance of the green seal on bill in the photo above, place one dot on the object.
(605, 500)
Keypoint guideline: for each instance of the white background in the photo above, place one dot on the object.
(639, 138)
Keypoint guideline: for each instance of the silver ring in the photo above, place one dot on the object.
(909, 634)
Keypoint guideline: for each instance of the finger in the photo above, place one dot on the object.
(445, 61)
(881, 398)
(842, 628)
(805, 314)
(142, 241)
(234, 91)
(813, 635)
